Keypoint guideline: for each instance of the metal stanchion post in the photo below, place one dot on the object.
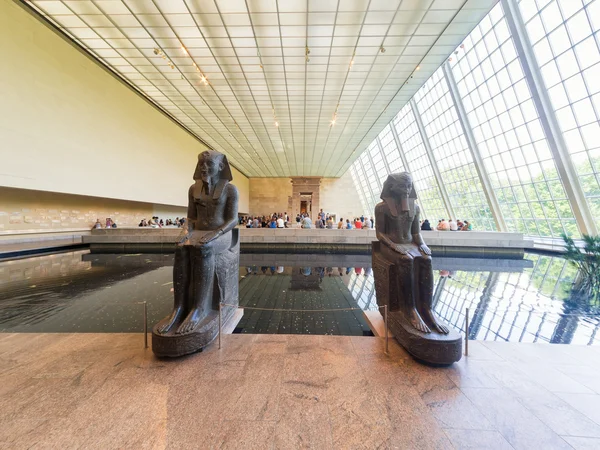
(385, 319)
(467, 332)
(145, 323)
(220, 307)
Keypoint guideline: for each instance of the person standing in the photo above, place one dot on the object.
(280, 223)
(452, 225)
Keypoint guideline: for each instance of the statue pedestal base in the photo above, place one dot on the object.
(431, 348)
(173, 345)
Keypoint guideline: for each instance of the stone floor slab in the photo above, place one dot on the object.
(291, 391)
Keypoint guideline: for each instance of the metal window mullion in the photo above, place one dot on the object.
(399, 146)
(403, 158)
(357, 185)
(373, 165)
(432, 161)
(367, 198)
(556, 142)
(385, 161)
(367, 182)
(463, 119)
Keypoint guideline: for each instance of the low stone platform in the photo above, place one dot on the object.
(23, 244)
(296, 240)
(73, 391)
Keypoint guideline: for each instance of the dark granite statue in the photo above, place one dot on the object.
(206, 266)
(404, 276)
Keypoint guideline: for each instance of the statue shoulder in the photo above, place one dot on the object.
(231, 190)
(381, 207)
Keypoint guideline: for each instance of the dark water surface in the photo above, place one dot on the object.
(526, 300)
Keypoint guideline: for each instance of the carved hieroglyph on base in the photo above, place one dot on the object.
(404, 276)
(206, 266)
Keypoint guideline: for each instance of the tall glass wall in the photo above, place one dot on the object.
(480, 107)
(564, 36)
(451, 151)
(426, 185)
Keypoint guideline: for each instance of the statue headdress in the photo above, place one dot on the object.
(388, 197)
(225, 175)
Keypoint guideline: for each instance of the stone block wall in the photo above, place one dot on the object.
(339, 196)
(269, 195)
(27, 210)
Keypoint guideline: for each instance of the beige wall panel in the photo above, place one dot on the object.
(269, 195)
(243, 184)
(69, 126)
(22, 209)
(339, 196)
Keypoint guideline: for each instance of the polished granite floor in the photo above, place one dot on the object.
(104, 391)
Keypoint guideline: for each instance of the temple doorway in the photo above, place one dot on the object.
(305, 203)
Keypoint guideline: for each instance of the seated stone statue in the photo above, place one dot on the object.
(403, 270)
(206, 256)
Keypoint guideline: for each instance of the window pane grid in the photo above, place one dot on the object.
(452, 153)
(508, 132)
(566, 41)
(425, 183)
(390, 150)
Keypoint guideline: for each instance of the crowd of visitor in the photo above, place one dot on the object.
(155, 222)
(323, 220)
(449, 225)
(275, 220)
(109, 223)
(282, 220)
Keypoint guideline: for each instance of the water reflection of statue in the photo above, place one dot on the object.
(206, 248)
(397, 226)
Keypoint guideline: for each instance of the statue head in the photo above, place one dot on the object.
(212, 166)
(398, 186)
(399, 189)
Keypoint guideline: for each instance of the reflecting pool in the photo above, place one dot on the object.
(514, 300)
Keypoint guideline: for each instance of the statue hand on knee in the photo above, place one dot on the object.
(399, 248)
(424, 249)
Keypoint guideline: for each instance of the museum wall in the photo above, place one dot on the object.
(69, 126)
(269, 195)
(338, 195)
(27, 210)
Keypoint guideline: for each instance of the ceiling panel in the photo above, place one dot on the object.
(284, 88)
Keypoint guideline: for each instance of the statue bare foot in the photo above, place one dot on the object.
(417, 322)
(190, 322)
(165, 325)
(429, 317)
